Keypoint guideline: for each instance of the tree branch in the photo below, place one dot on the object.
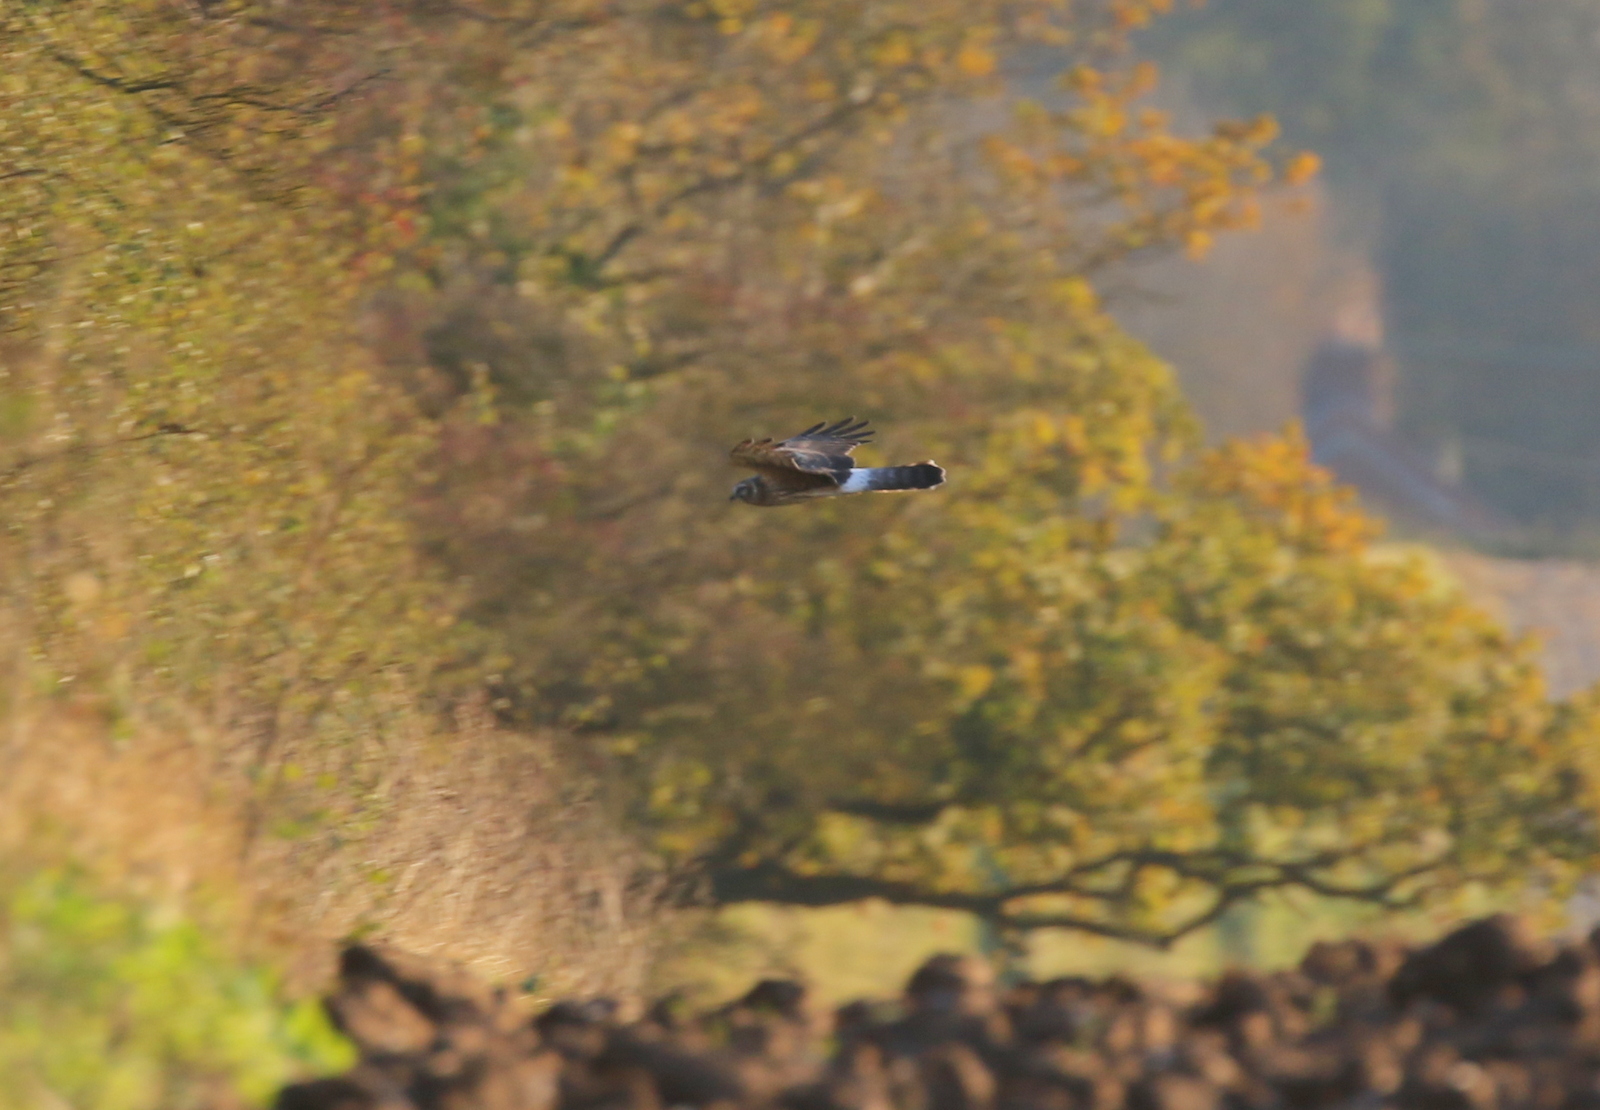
(716, 182)
(16, 470)
(1232, 877)
(115, 83)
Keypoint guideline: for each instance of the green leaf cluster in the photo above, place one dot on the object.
(111, 1005)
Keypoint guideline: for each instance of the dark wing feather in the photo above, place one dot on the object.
(836, 439)
(821, 450)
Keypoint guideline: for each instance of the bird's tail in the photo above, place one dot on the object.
(923, 475)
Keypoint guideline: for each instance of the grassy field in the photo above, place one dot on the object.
(869, 950)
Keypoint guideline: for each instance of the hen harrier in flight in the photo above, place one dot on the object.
(817, 463)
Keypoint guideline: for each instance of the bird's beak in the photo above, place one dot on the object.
(734, 496)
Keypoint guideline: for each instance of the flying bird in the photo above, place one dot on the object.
(817, 463)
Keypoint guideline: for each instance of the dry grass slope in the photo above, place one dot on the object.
(462, 839)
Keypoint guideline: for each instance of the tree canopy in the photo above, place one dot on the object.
(205, 483)
(353, 347)
(1100, 680)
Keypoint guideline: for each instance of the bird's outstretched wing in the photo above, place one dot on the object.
(820, 449)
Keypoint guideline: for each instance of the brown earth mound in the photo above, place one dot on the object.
(1492, 1017)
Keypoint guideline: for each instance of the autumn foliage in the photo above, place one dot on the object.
(361, 345)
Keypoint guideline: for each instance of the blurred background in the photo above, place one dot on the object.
(367, 570)
(1428, 312)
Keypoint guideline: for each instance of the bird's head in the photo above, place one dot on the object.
(747, 491)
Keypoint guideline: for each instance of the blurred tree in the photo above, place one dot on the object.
(1128, 737)
(1095, 681)
(203, 481)
(1098, 681)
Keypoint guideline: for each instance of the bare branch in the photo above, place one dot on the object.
(108, 81)
(17, 469)
(1232, 876)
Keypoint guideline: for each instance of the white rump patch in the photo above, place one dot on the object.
(860, 480)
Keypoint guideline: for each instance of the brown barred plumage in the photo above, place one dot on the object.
(817, 463)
